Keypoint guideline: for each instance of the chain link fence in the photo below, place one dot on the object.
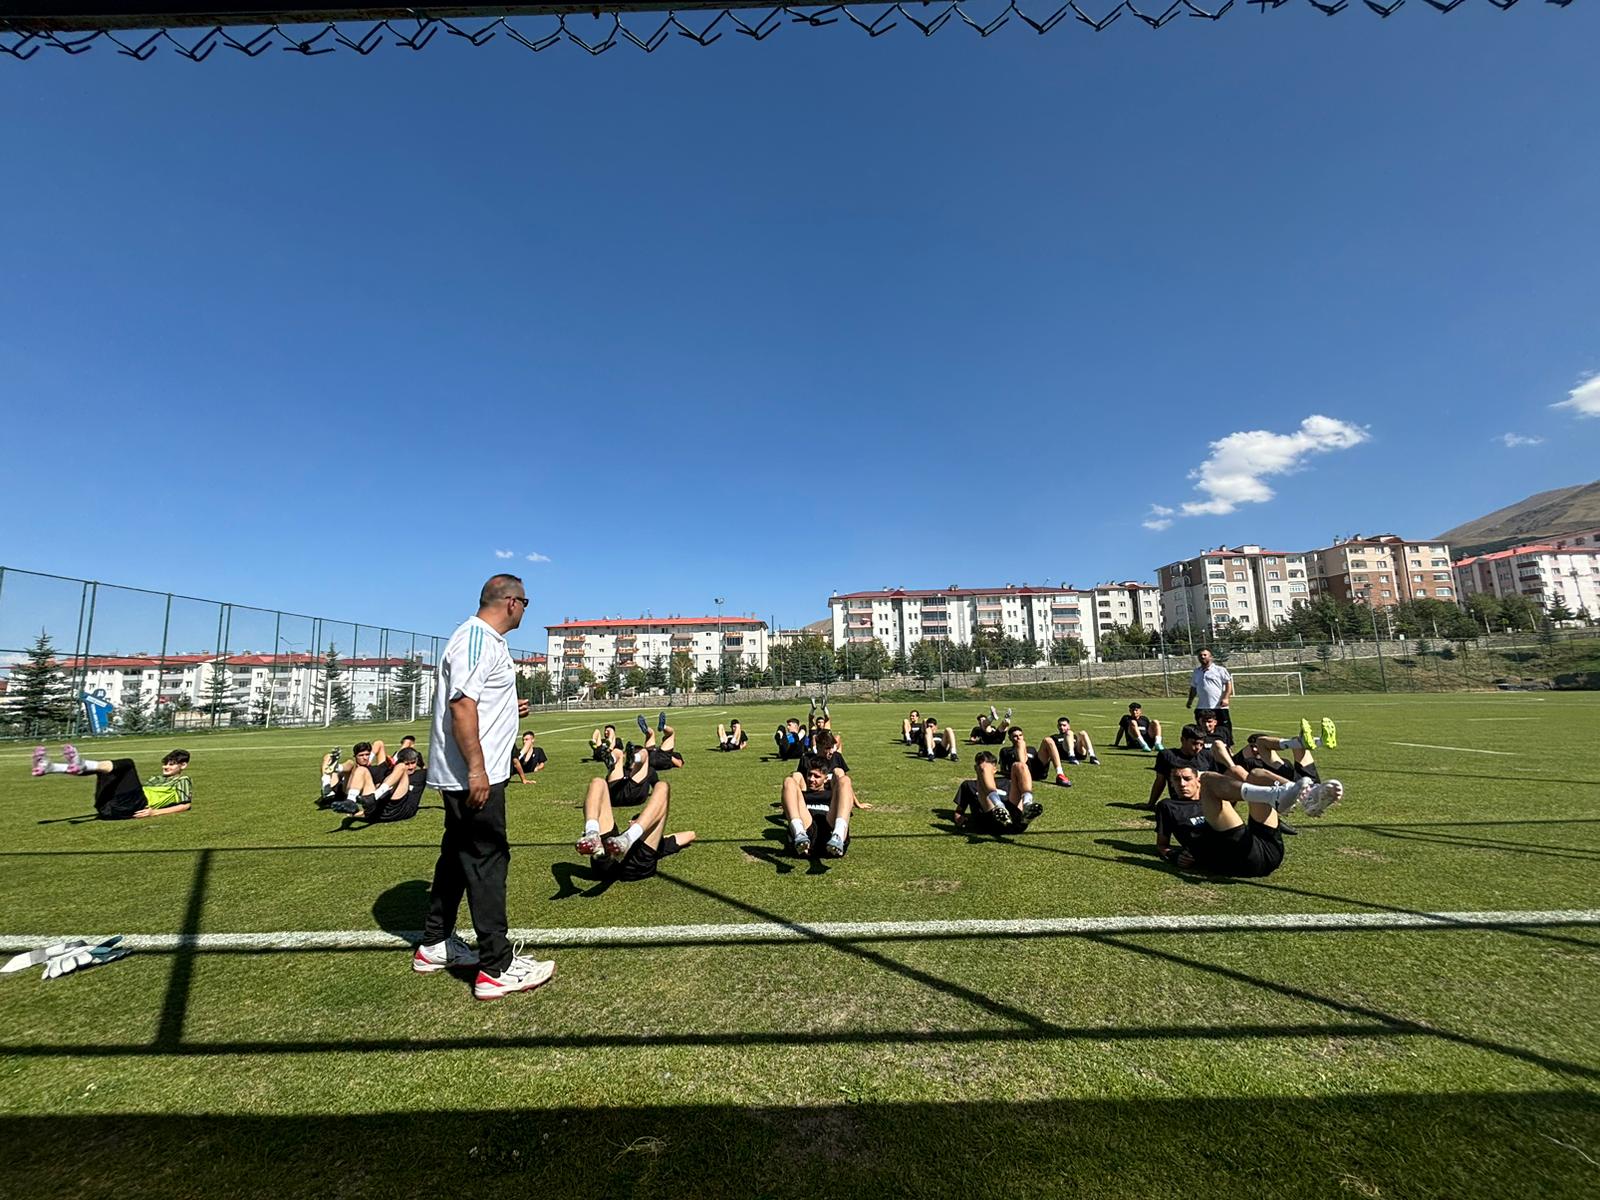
(78, 657)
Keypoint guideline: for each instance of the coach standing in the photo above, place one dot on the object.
(1211, 690)
(475, 717)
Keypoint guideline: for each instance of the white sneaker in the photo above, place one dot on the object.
(452, 952)
(520, 975)
(1321, 798)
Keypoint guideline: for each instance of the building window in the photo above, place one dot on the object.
(1385, 594)
(1275, 588)
(1215, 575)
(1273, 575)
(1219, 604)
(1297, 587)
(1219, 589)
(1277, 604)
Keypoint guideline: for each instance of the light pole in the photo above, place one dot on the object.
(272, 686)
(1377, 644)
(722, 657)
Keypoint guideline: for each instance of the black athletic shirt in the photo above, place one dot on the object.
(836, 762)
(1067, 743)
(532, 761)
(1125, 727)
(1170, 759)
(989, 737)
(1008, 758)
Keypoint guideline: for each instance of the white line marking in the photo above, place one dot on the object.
(1457, 749)
(346, 939)
(1506, 718)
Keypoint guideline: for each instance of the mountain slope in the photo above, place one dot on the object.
(1560, 510)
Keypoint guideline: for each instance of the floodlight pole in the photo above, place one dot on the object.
(722, 657)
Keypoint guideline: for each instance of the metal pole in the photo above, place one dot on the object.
(1382, 676)
(272, 678)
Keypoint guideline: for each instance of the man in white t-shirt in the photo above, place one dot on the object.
(474, 727)
(1211, 691)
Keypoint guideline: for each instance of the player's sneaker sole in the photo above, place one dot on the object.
(1321, 798)
(616, 847)
(801, 847)
(69, 755)
(1307, 738)
(834, 848)
(41, 761)
(1330, 733)
(589, 845)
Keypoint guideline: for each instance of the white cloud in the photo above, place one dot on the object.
(1583, 399)
(1513, 440)
(1235, 472)
(1160, 518)
(536, 557)
(505, 553)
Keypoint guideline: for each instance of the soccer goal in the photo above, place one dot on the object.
(1269, 683)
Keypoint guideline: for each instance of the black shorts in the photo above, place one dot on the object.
(916, 733)
(664, 760)
(630, 792)
(1250, 851)
(118, 794)
(787, 752)
(602, 754)
(642, 858)
(819, 833)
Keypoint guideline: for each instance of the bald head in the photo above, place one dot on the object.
(499, 587)
(502, 602)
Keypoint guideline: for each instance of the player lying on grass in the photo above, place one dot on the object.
(911, 729)
(821, 721)
(395, 799)
(1213, 731)
(992, 804)
(791, 739)
(629, 780)
(1224, 843)
(1136, 729)
(1191, 751)
(336, 773)
(990, 729)
(825, 745)
(118, 794)
(527, 759)
(733, 737)
(629, 854)
(1042, 763)
(937, 743)
(602, 742)
(817, 802)
(663, 757)
(1072, 745)
(1261, 752)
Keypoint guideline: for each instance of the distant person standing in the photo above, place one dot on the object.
(474, 728)
(1211, 692)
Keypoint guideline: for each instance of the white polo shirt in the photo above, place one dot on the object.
(476, 664)
(1209, 683)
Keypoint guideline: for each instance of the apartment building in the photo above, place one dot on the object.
(1547, 573)
(637, 642)
(1384, 570)
(901, 617)
(1123, 605)
(1250, 586)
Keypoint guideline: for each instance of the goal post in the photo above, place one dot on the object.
(1269, 683)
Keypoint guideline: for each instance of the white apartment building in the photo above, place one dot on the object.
(1251, 586)
(1123, 605)
(1544, 573)
(627, 642)
(900, 617)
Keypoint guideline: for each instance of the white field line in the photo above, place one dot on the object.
(1457, 749)
(346, 939)
(1505, 718)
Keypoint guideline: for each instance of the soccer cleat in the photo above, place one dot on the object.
(348, 807)
(616, 846)
(1061, 778)
(1145, 746)
(953, 755)
(813, 706)
(1094, 761)
(644, 726)
(69, 755)
(661, 721)
(931, 756)
(834, 847)
(1031, 810)
(590, 844)
(333, 757)
(452, 952)
(1008, 714)
(1330, 733)
(41, 761)
(993, 715)
(1285, 827)
(1158, 746)
(1286, 795)
(1322, 797)
(1001, 815)
(1308, 740)
(800, 843)
(520, 975)
(1070, 760)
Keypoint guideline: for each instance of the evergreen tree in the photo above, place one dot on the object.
(39, 698)
(657, 675)
(706, 681)
(637, 679)
(220, 700)
(408, 688)
(133, 714)
(614, 680)
(340, 703)
(900, 665)
(1068, 652)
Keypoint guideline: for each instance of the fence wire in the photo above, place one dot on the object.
(642, 30)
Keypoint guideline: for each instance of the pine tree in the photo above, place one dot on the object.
(339, 700)
(39, 699)
(133, 715)
(408, 688)
(220, 700)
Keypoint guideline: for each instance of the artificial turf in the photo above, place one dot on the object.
(1439, 1062)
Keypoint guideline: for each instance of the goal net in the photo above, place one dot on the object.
(1269, 683)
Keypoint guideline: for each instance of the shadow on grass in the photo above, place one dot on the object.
(568, 875)
(1285, 1147)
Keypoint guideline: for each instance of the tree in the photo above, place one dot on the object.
(1486, 610)
(1324, 652)
(614, 680)
(681, 670)
(340, 703)
(220, 700)
(133, 714)
(260, 708)
(1582, 615)
(866, 660)
(1559, 612)
(39, 699)
(707, 680)
(636, 679)
(408, 687)
(657, 675)
(569, 686)
(924, 662)
(1520, 612)
(900, 664)
(1067, 652)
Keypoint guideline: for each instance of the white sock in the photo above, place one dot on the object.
(997, 799)
(89, 766)
(841, 828)
(591, 828)
(1294, 743)
(1027, 798)
(56, 769)
(797, 827)
(382, 792)
(1271, 794)
(632, 834)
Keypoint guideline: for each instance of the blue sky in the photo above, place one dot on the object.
(762, 321)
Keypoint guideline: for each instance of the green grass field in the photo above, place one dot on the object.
(1452, 1061)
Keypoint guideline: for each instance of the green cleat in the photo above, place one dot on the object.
(1307, 738)
(1330, 733)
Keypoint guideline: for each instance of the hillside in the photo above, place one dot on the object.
(1560, 510)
